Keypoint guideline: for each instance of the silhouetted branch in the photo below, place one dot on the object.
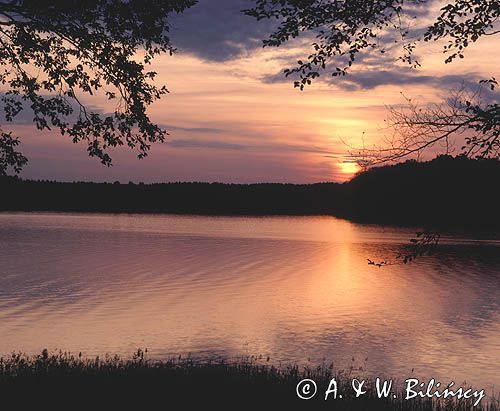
(345, 29)
(51, 51)
(9, 156)
(423, 244)
(463, 118)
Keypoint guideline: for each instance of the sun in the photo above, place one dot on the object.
(349, 167)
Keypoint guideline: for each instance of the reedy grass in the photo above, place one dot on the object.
(68, 381)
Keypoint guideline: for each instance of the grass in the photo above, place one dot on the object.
(65, 381)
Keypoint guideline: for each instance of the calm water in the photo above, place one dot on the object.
(297, 289)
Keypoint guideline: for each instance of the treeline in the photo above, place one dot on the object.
(445, 191)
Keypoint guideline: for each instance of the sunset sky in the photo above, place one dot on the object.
(233, 117)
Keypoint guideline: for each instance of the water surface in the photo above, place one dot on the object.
(295, 289)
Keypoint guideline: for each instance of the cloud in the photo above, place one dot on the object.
(218, 30)
(256, 147)
(368, 80)
(396, 76)
(210, 144)
(26, 115)
(199, 130)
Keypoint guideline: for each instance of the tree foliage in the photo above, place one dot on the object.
(54, 52)
(416, 129)
(463, 22)
(344, 29)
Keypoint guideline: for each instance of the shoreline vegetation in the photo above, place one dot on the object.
(445, 192)
(62, 379)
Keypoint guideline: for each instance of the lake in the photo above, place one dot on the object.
(294, 289)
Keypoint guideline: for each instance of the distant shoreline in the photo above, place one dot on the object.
(445, 192)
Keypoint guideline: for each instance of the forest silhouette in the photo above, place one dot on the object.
(447, 191)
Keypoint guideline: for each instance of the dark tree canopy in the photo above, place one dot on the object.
(342, 29)
(345, 29)
(53, 52)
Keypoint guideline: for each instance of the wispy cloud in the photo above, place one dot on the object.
(218, 30)
(371, 79)
(198, 130)
(204, 144)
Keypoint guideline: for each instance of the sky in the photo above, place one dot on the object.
(232, 116)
